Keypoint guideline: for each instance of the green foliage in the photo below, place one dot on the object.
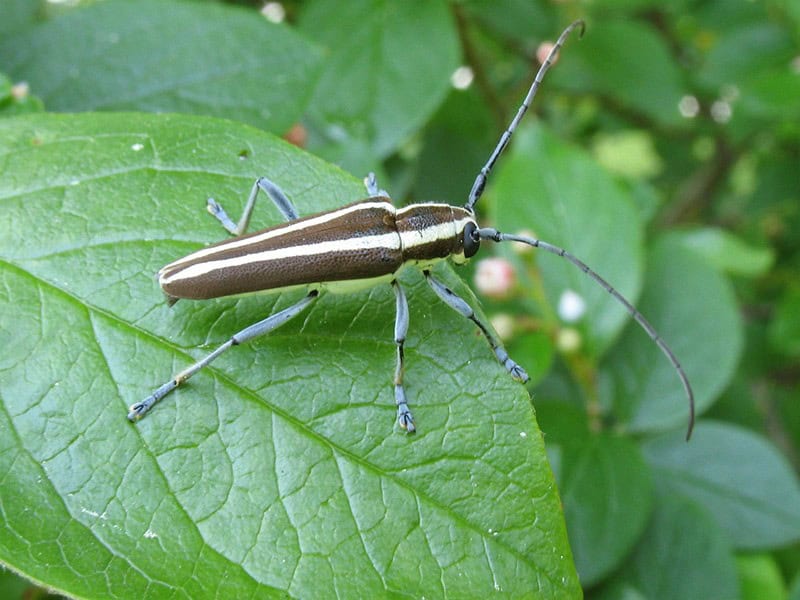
(167, 57)
(761, 578)
(392, 101)
(664, 155)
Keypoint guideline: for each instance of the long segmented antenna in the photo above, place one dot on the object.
(480, 180)
(487, 233)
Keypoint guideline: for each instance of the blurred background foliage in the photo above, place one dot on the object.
(663, 149)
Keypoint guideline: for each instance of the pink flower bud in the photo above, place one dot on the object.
(495, 277)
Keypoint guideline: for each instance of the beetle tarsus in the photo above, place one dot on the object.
(138, 410)
(404, 417)
(517, 372)
(406, 421)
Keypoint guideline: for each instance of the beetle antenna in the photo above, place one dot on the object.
(480, 180)
(487, 233)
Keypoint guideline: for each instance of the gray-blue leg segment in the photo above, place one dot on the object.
(404, 416)
(460, 306)
(371, 183)
(270, 189)
(139, 409)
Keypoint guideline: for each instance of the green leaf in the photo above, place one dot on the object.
(761, 577)
(607, 492)
(278, 470)
(220, 60)
(517, 20)
(694, 310)
(637, 6)
(794, 592)
(726, 252)
(683, 554)
(388, 67)
(614, 58)
(569, 201)
(630, 154)
(768, 45)
(784, 327)
(17, 14)
(769, 96)
(740, 478)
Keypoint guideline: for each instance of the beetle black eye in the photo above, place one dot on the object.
(471, 240)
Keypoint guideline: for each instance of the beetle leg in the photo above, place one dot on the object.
(268, 187)
(371, 183)
(404, 417)
(460, 306)
(139, 409)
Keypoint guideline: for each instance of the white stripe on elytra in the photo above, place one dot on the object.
(390, 241)
(290, 227)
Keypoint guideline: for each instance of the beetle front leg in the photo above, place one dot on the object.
(460, 305)
(371, 183)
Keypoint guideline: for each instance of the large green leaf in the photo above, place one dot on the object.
(726, 252)
(278, 470)
(770, 45)
(760, 577)
(220, 60)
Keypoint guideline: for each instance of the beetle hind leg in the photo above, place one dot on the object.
(139, 409)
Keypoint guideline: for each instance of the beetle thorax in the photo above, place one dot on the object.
(430, 232)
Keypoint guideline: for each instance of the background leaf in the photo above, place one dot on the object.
(615, 59)
(702, 312)
(553, 189)
(683, 554)
(607, 492)
(760, 577)
(728, 253)
(220, 60)
(384, 78)
(276, 471)
(18, 14)
(741, 480)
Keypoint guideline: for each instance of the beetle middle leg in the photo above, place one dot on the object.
(404, 416)
(271, 189)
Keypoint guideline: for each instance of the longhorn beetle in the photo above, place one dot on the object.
(360, 244)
